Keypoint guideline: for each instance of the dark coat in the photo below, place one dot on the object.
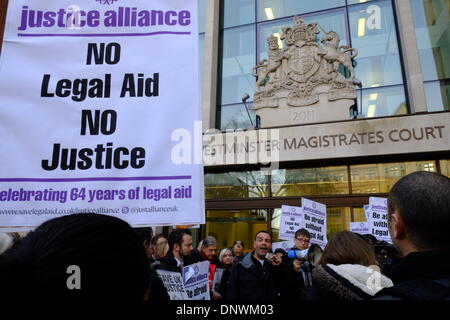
(420, 276)
(224, 283)
(197, 256)
(291, 281)
(158, 292)
(169, 263)
(249, 280)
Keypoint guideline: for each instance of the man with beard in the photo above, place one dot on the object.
(254, 278)
(180, 247)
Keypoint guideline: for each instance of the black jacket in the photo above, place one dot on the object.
(169, 263)
(291, 282)
(196, 256)
(249, 280)
(224, 282)
(420, 276)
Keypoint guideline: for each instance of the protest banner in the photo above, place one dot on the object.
(359, 227)
(315, 221)
(100, 112)
(217, 279)
(291, 221)
(366, 211)
(173, 282)
(196, 281)
(285, 245)
(378, 219)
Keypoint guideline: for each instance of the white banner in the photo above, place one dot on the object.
(291, 221)
(196, 281)
(217, 279)
(366, 211)
(359, 227)
(173, 282)
(378, 219)
(315, 221)
(100, 112)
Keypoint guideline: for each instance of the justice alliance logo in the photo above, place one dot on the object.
(108, 2)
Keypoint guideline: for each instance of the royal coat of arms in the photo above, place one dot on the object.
(305, 69)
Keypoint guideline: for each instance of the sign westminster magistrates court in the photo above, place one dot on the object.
(98, 108)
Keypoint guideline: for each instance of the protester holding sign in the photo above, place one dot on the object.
(180, 248)
(227, 259)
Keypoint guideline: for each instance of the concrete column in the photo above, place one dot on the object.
(414, 79)
(211, 56)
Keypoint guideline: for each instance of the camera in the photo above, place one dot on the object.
(270, 257)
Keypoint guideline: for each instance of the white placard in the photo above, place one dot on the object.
(359, 227)
(217, 279)
(315, 221)
(100, 112)
(291, 221)
(196, 281)
(378, 219)
(285, 245)
(173, 281)
(366, 211)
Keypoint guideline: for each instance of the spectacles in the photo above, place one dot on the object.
(302, 240)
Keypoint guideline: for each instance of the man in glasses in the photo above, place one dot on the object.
(292, 282)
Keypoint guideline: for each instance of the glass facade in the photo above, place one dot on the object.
(356, 180)
(275, 9)
(238, 58)
(245, 184)
(368, 26)
(445, 167)
(310, 181)
(379, 178)
(432, 29)
(230, 225)
(319, 181)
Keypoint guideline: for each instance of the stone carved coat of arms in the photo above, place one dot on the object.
(304, 69)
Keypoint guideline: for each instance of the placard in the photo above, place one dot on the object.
(285, 245)
(196, 281)
(100, 112)
(378, 219)
(173, 282)
(291, 221)
(315, 221)
(359, 227)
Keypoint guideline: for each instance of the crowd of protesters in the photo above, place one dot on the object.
(118, 261)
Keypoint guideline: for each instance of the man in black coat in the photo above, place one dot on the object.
(419, 223)
(180, 249)
(254, 278)
(292, 281)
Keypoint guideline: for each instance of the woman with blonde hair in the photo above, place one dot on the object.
(226, 258)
